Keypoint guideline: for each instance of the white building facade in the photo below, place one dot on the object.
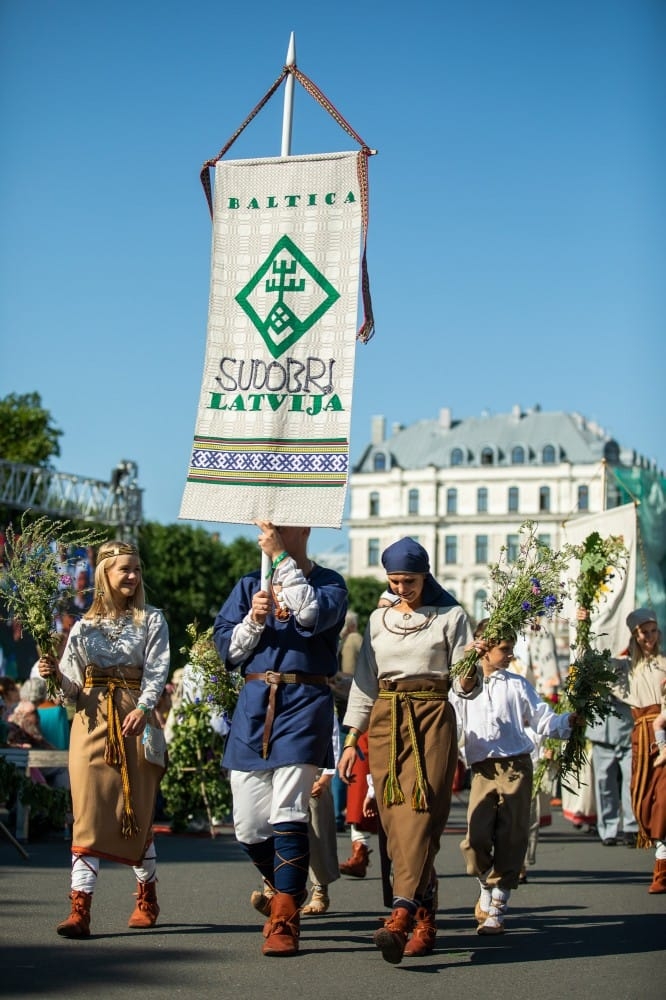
(463, 489)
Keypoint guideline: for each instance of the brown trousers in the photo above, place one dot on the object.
(498, 820)
(413, 837)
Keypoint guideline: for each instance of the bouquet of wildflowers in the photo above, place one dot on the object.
(32, 586)
(194, 785)
(217, 687)
(523, 592)
(588, 687)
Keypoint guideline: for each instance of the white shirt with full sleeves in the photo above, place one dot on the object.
(493, 719)
(144, 645)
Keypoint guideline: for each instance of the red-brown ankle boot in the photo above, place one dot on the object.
(146, 910)
(282, 928)
(392, 937)
(658, 877)
(422, 940)
(357, 864)
(77, 924)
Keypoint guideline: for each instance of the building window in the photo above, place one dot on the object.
(450, 549)
(548, 455)
(413, 502)
(544, 540)
(513, 500)
(457, 456)
(480, 610)
(452, 501)
(482, 549)
(374, 505)
(518, 455)
(379, 462)
(512, 548)
(373, 552)
(612, 452)
(487, 456)
(482, 500)
(583, 498)
(544, 498)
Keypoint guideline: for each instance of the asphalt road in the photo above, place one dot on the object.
(584, 925)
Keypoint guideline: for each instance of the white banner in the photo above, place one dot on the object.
(609, 623)
(272, 430)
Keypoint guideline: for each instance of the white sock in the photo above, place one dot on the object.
(84, 873)
(147, 872)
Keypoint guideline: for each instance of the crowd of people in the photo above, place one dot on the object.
(404, 716)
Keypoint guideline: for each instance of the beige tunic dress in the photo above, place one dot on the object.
(109, 667)
(399, 695)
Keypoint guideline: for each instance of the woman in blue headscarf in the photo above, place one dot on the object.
(399, 695)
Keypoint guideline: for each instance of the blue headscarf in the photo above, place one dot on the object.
(407, 556)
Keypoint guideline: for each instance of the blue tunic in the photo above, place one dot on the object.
(303, 723)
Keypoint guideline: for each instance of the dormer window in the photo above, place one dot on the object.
(487, 456)
(548, 455)
(457, 456)
(379, 462)
(518, 455)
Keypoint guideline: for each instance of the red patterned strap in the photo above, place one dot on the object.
(368, 326)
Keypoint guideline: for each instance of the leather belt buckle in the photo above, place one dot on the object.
(273, 677)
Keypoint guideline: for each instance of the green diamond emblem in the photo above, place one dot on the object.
(271, 297)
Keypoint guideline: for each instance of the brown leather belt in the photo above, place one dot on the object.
(274, 678)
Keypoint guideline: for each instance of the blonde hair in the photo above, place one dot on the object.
(103, 605)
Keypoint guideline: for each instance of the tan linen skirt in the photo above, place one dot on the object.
(413, 836)
(98, 797)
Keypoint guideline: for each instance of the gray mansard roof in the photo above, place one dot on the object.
(435, 442)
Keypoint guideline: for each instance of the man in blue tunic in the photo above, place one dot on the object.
(282, 634)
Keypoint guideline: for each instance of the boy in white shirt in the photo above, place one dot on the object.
(492, 721)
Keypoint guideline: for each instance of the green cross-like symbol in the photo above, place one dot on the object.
(282, 327)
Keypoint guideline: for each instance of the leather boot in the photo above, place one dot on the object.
(319, 901)
(658, 877)
(282, 927)
(357, 864)
(77, 924)
(422, 941)
(392, 937)
(146, 910)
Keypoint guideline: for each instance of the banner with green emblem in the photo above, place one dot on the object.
(271, 439)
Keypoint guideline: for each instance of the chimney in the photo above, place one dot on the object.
(445, 418)
(516, 411)
(378, 430)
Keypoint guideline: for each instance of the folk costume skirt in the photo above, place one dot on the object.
(113, 787)
(648, 783)
(412, 738)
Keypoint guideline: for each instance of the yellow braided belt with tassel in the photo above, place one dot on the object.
(393, 793)
(114, 748)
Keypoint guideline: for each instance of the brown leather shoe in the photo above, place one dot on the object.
(282, 929)
(392, 937)
(658, 877)
(422, 941)
(146, 911)
(77, 924)
(357, 864)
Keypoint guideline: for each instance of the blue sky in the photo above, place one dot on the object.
(516, 245)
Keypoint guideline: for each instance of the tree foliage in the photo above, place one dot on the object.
(364, 592)
(27, 432)
(189, 573)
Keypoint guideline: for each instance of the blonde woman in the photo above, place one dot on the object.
(114, 667)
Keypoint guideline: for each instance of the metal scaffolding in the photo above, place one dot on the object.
(117, 503)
